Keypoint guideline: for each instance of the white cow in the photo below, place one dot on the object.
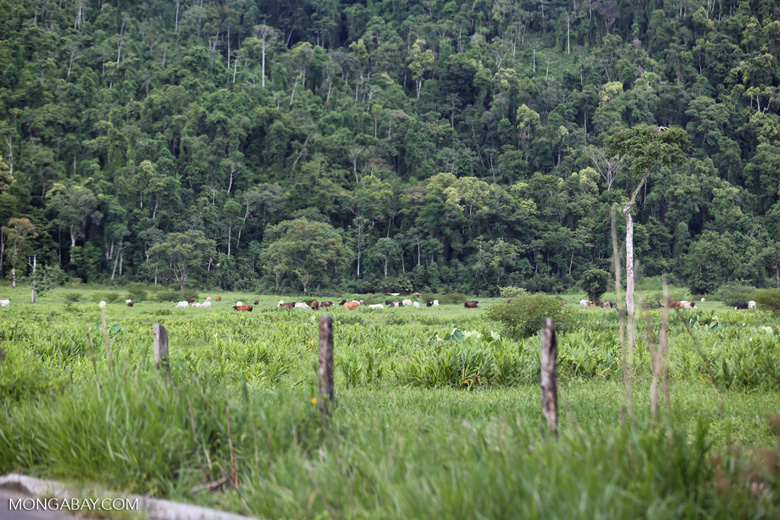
(5, 303)
(584, 303)
(182, 304)
(416, 305)
(301, 305)
(376, 306)
(407, 302)
(206, 304)
(239, 304)
(196, 304)
(435, 303)
(751, 304)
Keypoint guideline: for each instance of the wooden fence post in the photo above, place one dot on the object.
(161, 348)
(326, 365)
(550, 376)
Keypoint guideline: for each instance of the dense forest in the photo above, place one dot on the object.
(385, 145)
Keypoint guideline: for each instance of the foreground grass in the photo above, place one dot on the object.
(407, 439)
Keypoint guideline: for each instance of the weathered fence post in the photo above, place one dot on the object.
(326, 365)
(105, 334)
(550, 375)
(161, 348)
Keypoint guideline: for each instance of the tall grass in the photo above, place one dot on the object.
(437, 412)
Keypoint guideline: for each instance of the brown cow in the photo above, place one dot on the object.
(257, 302)
(326, 304)
(219, 298)
(191, 300)
(315, 305)
(247, 308)
(351, 305)
(471, 304)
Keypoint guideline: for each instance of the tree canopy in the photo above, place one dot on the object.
(449, 144)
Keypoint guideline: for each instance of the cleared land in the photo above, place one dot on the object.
(428, 423)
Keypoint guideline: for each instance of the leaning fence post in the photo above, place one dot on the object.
(161, 348)
(550, 376)
(326, 365)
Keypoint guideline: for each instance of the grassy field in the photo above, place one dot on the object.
(428, 424)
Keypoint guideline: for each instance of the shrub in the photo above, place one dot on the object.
(731, 293)
(523, 317)
(137, 291)
(109, 297)
(176, 296)
(72, 297)
(768, 299)
(594, 283)
(512, 292)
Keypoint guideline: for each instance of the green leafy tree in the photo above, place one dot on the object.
(305, 249)
(183, 255)
(646, 147)
(594, 283)
(19, 232)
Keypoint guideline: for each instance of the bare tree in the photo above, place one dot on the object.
(608, 167)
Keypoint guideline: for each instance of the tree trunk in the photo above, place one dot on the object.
(262, 82)
(629, 259)
(34, 278)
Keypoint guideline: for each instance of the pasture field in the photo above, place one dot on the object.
(437, 411)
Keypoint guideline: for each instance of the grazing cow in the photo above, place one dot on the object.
(247, 308)
(219, 298)
(195, 304)
(351, 305)
(688, 305)
(301, 305)
(315, 305)
(206, 304)
(470, 304)
(257, 302)
(129, 303)
(5, 303)
(417, 294)
(191, 300)
(326, 304)
(429, 304)
(416, 305)
(741, 305)
(751, 304)
(239, 304)
(584, 303)
(183, 304)
(435, 303)
(702, 299)
(376, 306)
(407, 301)
(288, 305)
(395, 294)
(609, 305)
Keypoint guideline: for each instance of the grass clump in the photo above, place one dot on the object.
(523, 317)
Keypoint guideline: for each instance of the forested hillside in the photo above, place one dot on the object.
(384, 145)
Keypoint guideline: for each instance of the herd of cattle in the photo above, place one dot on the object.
(354, 304)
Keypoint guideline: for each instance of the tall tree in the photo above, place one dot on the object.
(645, 147)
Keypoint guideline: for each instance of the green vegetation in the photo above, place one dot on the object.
(442, 146)
(437, 412)
(523, 316)
(594, 282)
